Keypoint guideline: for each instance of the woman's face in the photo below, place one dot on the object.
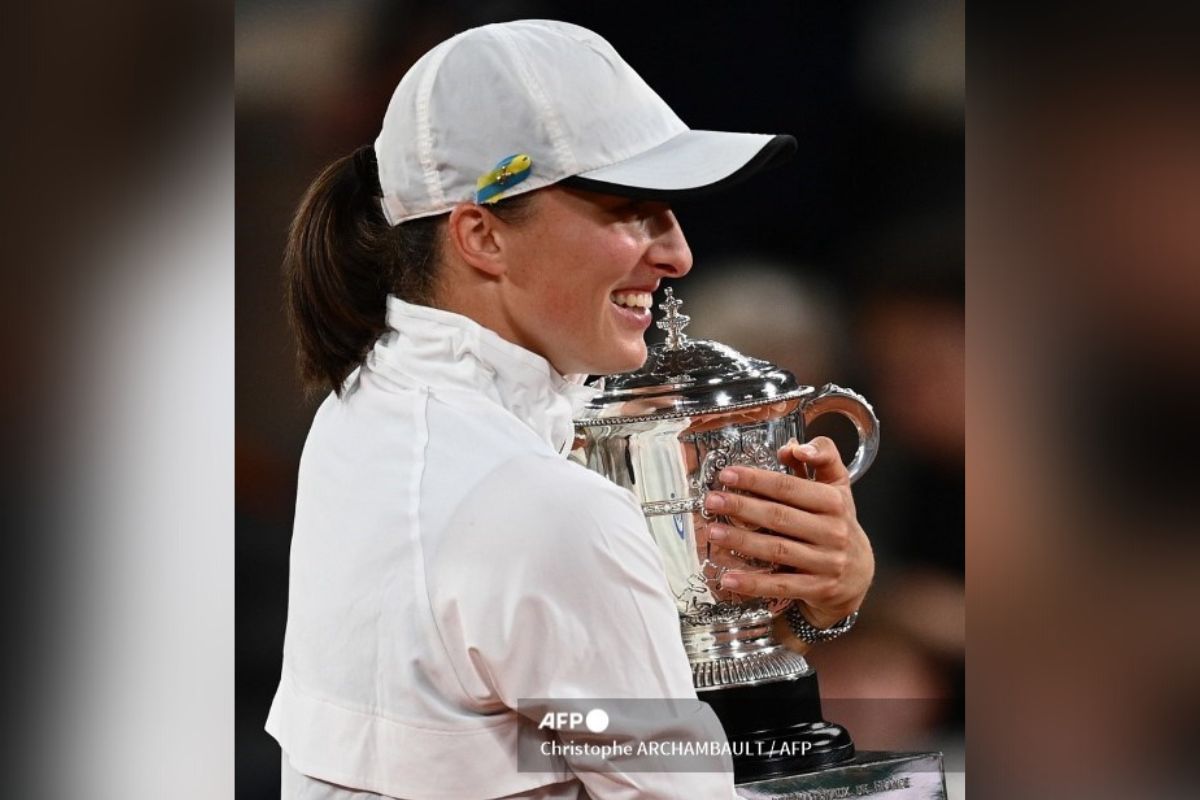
(581, 269)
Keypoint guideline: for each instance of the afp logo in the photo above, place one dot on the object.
(595, 720)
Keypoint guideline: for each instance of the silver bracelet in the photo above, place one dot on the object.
(805, 631)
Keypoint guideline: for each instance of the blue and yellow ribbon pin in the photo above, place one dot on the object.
(510, 171)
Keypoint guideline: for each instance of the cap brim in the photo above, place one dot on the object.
(692, 164)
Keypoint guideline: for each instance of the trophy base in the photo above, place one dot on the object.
(776, 728)
(883, 776)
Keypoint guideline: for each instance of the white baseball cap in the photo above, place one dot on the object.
(508, 108)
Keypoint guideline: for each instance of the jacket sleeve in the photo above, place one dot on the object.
(549, 588)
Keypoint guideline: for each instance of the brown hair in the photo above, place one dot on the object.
(341, 261)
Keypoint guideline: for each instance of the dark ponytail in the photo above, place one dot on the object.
(342, 260)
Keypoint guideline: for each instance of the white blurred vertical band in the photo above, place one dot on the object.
(136, 689)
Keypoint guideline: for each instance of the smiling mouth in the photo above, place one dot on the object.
(637, 301)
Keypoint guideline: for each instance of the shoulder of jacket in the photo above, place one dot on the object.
(547, 489)
(551, 470)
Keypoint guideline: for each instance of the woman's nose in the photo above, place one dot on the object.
(670, 252)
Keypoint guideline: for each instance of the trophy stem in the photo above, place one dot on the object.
(774, 663)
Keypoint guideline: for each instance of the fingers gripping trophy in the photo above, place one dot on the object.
(669, 432)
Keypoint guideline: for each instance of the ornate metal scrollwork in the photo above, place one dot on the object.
(698, 609)
(687, 505)
(747, 447)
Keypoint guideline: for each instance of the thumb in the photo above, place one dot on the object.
(821, 455)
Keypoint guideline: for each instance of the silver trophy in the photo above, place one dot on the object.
(665, 432)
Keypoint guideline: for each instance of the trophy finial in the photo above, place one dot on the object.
(673, 322)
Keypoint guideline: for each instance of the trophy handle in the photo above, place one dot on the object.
(833, 399)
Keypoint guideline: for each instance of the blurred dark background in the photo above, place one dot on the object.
(1083, 387)
(846, 266)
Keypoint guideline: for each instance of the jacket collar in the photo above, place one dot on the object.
(450, 352)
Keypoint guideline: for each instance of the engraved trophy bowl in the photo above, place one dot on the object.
(665, 432)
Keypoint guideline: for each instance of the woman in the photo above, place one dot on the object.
(451, 286)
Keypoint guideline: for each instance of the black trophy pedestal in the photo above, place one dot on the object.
(881, 776)
(776, 728)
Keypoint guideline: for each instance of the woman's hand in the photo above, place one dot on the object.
(810, 526)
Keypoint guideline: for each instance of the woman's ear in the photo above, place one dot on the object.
(475, 237)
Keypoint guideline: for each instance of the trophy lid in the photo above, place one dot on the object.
(688, 377)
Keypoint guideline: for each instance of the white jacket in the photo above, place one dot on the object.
(447, 560)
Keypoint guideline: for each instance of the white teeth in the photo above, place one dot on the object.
(632, 299)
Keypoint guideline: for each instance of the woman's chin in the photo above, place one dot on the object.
(626, 359)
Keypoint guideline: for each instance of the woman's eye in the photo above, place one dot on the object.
(634, 211)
